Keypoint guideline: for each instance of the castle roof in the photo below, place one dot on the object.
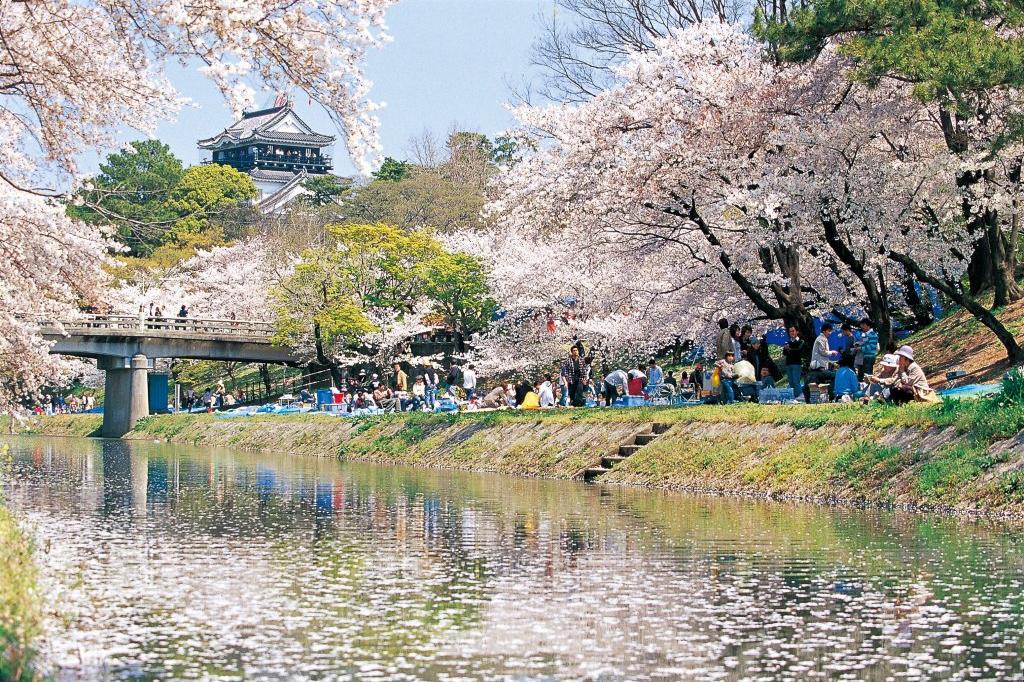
(275, 125)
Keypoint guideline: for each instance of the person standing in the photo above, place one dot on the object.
(454, 376)
(723, 344)
(572, 375)
(821, 358)
(868, 348)
(747, 345)
(469, 382)
(793, 354)
(401, 379)
(655, 374)
(727, 378)
(847, 347)
(431, 380)
(616, 383)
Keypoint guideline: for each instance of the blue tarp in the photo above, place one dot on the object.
(972, 391)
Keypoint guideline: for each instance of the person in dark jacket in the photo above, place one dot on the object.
(793, 355)
(762, 359)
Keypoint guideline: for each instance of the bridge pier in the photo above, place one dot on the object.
(126, 394)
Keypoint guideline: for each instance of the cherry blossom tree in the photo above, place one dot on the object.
(224, 281)
(75, 73)
(669, 170)
(717, 175)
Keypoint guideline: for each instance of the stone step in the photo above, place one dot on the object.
(645, 438)
(627, 450)
(660, 428)
(611, 460)
(593, 472)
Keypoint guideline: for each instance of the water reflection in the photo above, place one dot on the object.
(174, 562)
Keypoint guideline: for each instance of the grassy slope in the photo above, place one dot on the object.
(959, 341)
(960, 454)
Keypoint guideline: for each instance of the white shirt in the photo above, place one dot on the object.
(469, 379)
(820, 353)
(618, 378)
(546, 396)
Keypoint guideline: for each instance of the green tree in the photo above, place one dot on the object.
(324, 190)
(423, 199)
(131, 194)
(203, 194)
(457, 283)
(327, 305)
(392, 170)
(952, 50)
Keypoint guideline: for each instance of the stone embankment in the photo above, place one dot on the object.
(947, 457)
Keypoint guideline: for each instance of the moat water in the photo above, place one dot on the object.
(164, 562)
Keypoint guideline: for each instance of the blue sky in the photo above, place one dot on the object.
(450, 63)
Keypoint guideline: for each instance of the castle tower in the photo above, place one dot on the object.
(276, 148)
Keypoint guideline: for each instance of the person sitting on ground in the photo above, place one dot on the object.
(879, 384)
(419, 393)
(363, 401)
(766, 380)
(384, 398)
(911, 382)
(305, 396)
(545, 392)
(497, 397)
(531, 399)
(671, 380)
(846, 383)
(522, 388)
(727, 378)
(746, 378)
(615, 384)
(229, 400)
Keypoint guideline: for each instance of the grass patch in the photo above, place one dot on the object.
(866, 465)
(21, 616)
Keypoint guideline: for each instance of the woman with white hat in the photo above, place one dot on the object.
(911, 382)
(879, 384)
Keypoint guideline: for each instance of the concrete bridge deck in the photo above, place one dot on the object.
(103, 336)
(124, 346)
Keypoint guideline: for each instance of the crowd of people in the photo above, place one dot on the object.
(830, 367)
(824, 371)
(61, 404)
(213, 399)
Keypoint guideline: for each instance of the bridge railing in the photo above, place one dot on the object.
(183, 325)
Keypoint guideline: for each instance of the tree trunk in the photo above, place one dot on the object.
(883, 322)
(983, 314)
(323, 360)
(873, 281)
(265, 376)
(920, 306)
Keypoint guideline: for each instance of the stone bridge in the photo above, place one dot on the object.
(125, 347)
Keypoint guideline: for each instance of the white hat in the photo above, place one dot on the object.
(889, 360)
(907, 352)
